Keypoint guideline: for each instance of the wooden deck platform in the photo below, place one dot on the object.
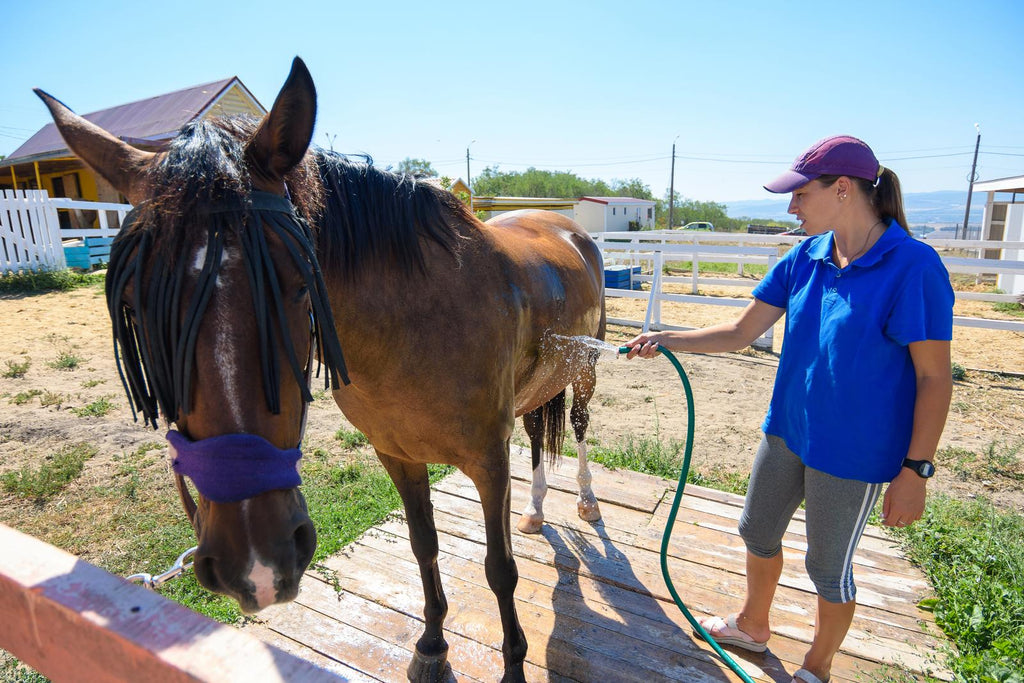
(591, 598)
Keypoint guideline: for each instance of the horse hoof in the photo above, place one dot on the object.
(589, 512)
(429, 668)
(514, 674)
(530, 524)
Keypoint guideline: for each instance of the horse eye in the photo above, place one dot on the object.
(303, 290)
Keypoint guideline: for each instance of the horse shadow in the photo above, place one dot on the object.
(648, 639)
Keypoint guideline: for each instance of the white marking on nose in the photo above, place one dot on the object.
(262, 577)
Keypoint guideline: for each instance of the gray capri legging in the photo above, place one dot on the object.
(836, 512)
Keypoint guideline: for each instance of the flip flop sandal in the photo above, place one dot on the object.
(726, 632)
(805, 676)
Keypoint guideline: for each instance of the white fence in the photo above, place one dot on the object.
(30, 233)
(651, 250)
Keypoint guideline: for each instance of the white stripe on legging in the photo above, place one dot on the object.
(846, 583)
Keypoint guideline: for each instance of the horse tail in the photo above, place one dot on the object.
(553, 419)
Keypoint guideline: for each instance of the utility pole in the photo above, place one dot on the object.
(672, 185)
(973, 177)
(467, 176)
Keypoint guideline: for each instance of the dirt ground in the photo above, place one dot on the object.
(634, 398)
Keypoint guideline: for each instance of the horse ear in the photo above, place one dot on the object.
(285, 133)
(117, 161)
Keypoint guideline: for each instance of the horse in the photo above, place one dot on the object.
(249, 258)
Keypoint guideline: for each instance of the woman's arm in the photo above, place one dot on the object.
(904, 499)
(731, 336)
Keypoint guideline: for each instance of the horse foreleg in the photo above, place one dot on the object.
(532, 518)
(579, 415)
(429, 662)
(491, 478)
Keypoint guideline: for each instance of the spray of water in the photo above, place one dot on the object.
(581, 348)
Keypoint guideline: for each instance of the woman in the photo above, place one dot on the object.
(861, 393)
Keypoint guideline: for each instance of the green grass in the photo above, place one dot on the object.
(973, 556)
(23, 397)
(1010, 308)
(15, 369)
(351, 439)
(35, 282)
(673, 268)
(959, 372)
(66, 360)
(51, 476)
(97, 408)
(345, 501)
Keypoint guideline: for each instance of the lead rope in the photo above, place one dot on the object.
(667, 535)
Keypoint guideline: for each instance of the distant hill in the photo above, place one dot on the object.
(934, 209)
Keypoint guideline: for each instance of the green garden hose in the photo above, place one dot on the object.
(684, 472)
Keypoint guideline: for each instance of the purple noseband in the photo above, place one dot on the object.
(233, 467)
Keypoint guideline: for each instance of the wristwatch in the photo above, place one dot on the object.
(924, 468)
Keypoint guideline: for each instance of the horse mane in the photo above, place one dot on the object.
(358, 216)
(203, 200)
(371, 218)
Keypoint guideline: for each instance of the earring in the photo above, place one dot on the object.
(842, 198)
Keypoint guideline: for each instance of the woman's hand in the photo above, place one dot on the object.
(903, 503)
(644, 345)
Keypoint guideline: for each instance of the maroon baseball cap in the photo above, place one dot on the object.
(837, 155)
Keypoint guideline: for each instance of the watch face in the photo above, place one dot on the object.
(926, 469)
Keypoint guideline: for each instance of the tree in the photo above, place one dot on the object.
(559, 184)
(690, 210)
(417, 167)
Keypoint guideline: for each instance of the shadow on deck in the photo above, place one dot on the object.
(591, 597)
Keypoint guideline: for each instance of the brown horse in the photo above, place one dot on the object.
(222, 295)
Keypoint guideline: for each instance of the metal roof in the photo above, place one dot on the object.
(616, 200)
(151, 119)
(1012, 184)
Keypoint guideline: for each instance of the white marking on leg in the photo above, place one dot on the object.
(533, 514)
(586, 503)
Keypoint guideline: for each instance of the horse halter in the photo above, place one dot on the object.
(155, 344)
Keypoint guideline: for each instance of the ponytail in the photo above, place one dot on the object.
(887, 197)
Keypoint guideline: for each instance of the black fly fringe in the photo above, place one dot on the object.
(154, 345)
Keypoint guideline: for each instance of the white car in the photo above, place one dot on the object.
(698, 225)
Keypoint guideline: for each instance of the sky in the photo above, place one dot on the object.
(602, 89)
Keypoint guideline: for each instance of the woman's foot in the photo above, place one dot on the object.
(805, 676)
(726, 632)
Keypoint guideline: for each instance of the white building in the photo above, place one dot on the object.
(1004, 220)
(614, 214)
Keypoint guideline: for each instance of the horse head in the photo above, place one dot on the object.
(219, 309)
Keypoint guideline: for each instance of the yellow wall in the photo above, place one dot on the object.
(233, 103)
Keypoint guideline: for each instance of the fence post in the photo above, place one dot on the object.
(654, 298)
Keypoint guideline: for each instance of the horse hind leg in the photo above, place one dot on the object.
(430, 658)
(532, 519)
(579, 416)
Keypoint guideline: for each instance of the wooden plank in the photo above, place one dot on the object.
(559, 640)
(898, 610)
(632, 607)
(73, 621)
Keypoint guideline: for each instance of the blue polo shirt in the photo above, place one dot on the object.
(845, 389)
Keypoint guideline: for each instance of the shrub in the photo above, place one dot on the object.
(48, 479)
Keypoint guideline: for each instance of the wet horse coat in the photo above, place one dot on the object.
(445, 324)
